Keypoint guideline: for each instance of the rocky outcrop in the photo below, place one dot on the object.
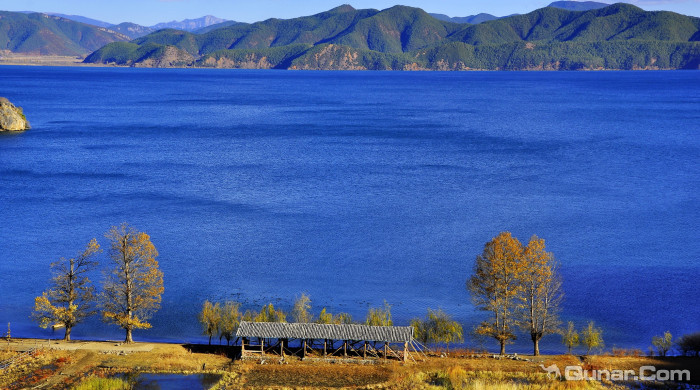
(11, 117)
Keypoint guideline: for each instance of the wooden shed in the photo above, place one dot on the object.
(332, 339)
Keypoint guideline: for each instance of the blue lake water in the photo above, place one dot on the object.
(356, 187)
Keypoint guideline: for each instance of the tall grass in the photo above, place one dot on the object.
(94, 383)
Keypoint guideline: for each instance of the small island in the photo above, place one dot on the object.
(11, 117)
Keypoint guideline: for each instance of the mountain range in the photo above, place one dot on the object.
(565, 35)
(618, 36)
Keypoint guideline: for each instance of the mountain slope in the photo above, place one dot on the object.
(216, 26)
(131, 30)
(619, 36)
(43, 34)
(81, 19)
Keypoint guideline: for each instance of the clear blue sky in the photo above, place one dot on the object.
(150, 12)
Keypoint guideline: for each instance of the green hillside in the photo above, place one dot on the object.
(620, 36)
(43, 34)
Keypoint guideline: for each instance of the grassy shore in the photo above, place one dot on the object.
(67, 364)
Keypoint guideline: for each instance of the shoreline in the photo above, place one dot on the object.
(77, 62)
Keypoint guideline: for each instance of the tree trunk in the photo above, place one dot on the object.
(67, 335)
(129, 339)
(536, 341)
(503, 347)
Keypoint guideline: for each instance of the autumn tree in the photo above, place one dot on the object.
(229, 320)
(342, 318)
(268, 313)
(541, 292)
(570, 337)
(438, 327)
(662, 343)
(71, 297)
(592, 338)
(324, 317)
(300, 311)
(210, 318)
(132, 290)
(379, 316)
(496, 287)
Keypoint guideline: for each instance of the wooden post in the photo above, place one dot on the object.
(262, 346)
(345, 348)
(324, 347)
(243, 347)
(385, 355)
(303, 349)
(364, 350)
(282, 347)
(405, 351)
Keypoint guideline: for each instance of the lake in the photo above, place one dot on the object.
(359, 187)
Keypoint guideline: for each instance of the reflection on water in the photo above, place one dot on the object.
(171, 381)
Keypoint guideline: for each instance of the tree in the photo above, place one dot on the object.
(133, 289)
(324, 317)
(570, 337)
(688, 345)
(300, 312)
(268, 313)
(379, 316)
(541, 292)
(342, 318)
(662, 343)
(592, 337)
(210, 318)
(438, 327)
(496, 287)
(229, 320)
(71, 296)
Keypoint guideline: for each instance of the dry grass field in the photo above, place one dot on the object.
(65, 365)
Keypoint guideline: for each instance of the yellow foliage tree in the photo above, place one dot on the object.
(210, 318)
(70, 298)
(300, 312)
(324, 317)
(132, 290)
(496, 287)
(542, 293)
(379, 316)
(438, 327)
(230, 320)
(268, 313)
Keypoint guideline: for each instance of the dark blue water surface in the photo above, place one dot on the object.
(356, 187)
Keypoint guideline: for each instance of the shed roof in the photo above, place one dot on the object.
(277, 330)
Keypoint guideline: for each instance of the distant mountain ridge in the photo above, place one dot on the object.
(578, 5)
(133, 30)
(619, 36)
(190, 24)
(471, 19)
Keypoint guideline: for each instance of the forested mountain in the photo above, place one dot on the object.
(619, 36)
(42, 34)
